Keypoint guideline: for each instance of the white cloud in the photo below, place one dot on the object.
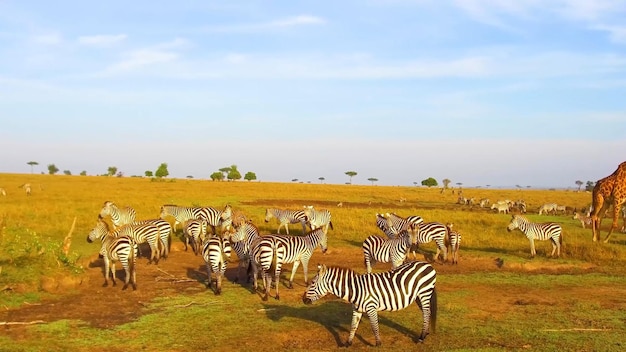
(48, 39)
(101, 40)
(301, 20)
(296, 21)
(143, 57)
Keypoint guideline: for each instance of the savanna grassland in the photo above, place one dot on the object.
(496, 299)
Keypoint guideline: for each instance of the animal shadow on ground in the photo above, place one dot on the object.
(332, 315)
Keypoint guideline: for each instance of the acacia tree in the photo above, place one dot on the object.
(250, 176)
(351, 174)
(112, 170)
(372, 180)
(217, 176)
(445, 182)
(579, 183)
(225, 171)
(52, 169)
(32, 163)
(234, 174)
(162, 171)
(429, 182)
(321, 179)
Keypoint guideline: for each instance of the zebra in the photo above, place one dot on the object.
(180, 214)
(216, 217)
(378, 249)
(317, 218)
(248, 233)
(266, 254)
(385, 291)
(116, 249)
(454, 243)
(216, 253)
(286, 217)
(165, 232)
(539, 231)
(141, 233)
(584, 219)
(119, 217)
(399, 223)
(501, 207)
(386, 226)
(548, 208)
(26, 187)
(194, 231)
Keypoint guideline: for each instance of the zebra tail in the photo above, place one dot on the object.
(131, 266)
(331, 225)
(433, 311)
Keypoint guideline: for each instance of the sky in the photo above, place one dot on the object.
(500, 93)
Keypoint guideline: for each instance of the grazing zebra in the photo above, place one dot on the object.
(454, 243)
(248, 233)
(548, 208)
(317, 218)
(385, 291)
(394, 250)
(194, 231)
(165, 232)
(116, 249)
(399, 223)
(426, 232)
(216, 253)
(180, 214)
(584, 219)
(484, 202)
(119, 217)
(216, 217)
(501, 207)
(538, 231)
(286, 217)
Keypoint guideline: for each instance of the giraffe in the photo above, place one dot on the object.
(608, 191)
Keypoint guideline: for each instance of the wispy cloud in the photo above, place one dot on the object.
(157, 54)
(301, 20)
(617, 34)
(101, 40)
(48, 39)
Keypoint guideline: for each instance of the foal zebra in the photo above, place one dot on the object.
(116, 249)
(317, 218)
(119, 217)
(286, 217)
(386, 291)
(538, 231)
(394, 250)
(216, 253)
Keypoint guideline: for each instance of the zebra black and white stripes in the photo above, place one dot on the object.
(119, 216)
(318, 218)
(179, 213)
(248, 234)
(286, 217)
(216, 253)
(116, 249)
(194, 231)
(538, 231)
(385, 291)
(394, 250)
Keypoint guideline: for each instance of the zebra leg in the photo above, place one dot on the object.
(209, 284)
(532, 248)
(373, 315)
(293, 273)
(106, 271)
(218, 283)
(356, 318)
(113, 273)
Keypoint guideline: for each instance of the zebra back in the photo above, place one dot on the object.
(119, 217)
(318, 218)
(216, 253)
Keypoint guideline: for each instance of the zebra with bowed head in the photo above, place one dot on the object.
(165, 231)
(548, 208)
(116, 249)
(394, 250)
(538, 231)
(180, 214)
(385, 291)
(317, 218)
(286, 217)
(119, 217)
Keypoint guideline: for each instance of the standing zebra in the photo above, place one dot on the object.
(180, 214)
(548, 208)
(119, 217)
(116, 249)
(426, 232)
(399, 223)
(216, 217)
(165, 232)
(386, 226)
(194, 231)
(26, 188)
(144, 233)
(386, 291)
(286, 217)
(266, 254)
(394, 250)
(538, 231)
(317, 218)
(216, 253)
(453, 243)
(248, 233)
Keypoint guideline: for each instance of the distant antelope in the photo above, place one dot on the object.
(340, 204)
(26, 188)
(3, 192)
(584, 219)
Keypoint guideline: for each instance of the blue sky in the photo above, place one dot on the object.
(500, 92)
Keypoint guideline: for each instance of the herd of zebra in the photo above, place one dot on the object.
(263, 256)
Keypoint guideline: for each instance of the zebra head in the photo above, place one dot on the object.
(318, 287)
(268, 214)
(107, 209)
(323, 238)
(98, 232)
(514, 224)
(227, 213)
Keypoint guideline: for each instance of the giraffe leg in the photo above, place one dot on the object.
(616, 210)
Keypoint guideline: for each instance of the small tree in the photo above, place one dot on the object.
(234, 174)
(225, 171)
(579, 183)
(429, 182)
(67, 172)
(83, 173)
(294, 180)
(112, 170)
(162, 171)
(32, 163)
(148, 173)
(250, 176)
(445, 182)
(52, 169)
(351, 174)
(372, 180)
(321, 179)
(217, 176)
(589, 186)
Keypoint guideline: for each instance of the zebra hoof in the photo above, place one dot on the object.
(124, 287)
